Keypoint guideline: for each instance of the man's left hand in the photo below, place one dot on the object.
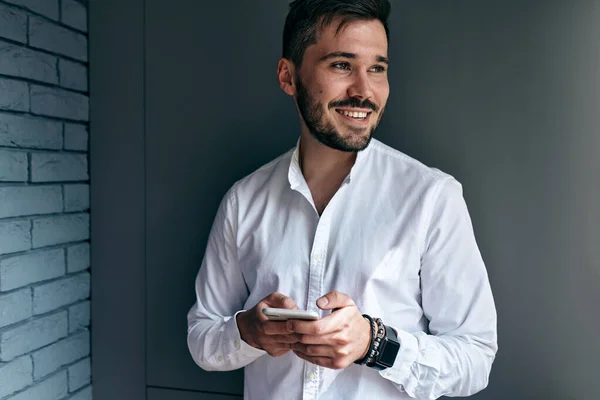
(337, 340)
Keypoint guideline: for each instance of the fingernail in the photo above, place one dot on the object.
(289, 326)
(322, 302)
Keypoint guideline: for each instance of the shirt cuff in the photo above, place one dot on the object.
(409, 350)
(234, 345)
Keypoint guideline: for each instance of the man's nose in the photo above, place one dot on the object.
(361, 86)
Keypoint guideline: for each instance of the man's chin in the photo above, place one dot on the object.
(350, 144)
(362, 144)
(358, 139)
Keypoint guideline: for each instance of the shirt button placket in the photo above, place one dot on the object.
(310, 382)
(315, 287)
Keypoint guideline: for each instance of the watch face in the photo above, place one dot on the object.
(388, 352)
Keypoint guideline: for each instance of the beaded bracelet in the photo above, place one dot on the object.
(377, 342)
(366, 359)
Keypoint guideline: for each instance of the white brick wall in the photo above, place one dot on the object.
(23, 62)
(16, 375)
(44, 201)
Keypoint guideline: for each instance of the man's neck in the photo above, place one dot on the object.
(320, 163)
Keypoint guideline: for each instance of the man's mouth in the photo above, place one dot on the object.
(355, 115)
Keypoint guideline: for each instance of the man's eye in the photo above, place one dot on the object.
(378, 68)
(341, 65)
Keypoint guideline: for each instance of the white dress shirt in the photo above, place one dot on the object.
(396, 237)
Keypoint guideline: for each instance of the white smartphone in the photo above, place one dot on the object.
(283, 314)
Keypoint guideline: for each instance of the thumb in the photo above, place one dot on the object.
(279, 300)
(333, 300)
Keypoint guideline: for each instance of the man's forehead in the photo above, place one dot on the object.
(362, 38)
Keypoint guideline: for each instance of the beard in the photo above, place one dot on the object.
(324, 131)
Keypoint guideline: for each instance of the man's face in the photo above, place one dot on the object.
(342, 86)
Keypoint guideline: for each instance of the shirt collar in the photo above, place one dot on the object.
(296, 178)
(295, 173)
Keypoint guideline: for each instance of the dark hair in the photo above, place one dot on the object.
(305, 16)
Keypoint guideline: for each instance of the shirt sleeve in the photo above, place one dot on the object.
(455, 357)
(213, 336)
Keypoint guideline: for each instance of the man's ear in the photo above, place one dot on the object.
(285, 74)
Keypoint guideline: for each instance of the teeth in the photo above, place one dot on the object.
(355, 114)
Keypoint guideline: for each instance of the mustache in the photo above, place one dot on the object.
(355, 103)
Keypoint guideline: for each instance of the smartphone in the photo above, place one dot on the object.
(283, 314)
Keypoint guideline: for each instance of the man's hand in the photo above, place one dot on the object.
(271, 336)
(337, 340)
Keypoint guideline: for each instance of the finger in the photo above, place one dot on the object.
(315, 350)
(334, 300)
(279, 339)
(332, 323)
(278, 352)
(276, 349)
(278, 300)
(274, 328)
(321, 361)
(328, 339)
(321, 327)
(292, 338)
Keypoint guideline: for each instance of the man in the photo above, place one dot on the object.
(345, 226)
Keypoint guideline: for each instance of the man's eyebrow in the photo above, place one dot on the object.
(383, 59)
(337, 54)
(343, 54)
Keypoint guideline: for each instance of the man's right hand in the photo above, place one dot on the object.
(259, 332)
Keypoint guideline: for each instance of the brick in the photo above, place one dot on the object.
(74, 14)
(49, 8)
(79, 316)
(15, 375)
(14, 95)
(73, 75)
(59, 103)
(78, 257)
(54, 167)
(27, 63)
(13, 24)
(84, 394)
(13, 166)
(77, 197)
(50, 296)
(32, 335)
(76, 137)
(15, 236)
(16, 201)
(29, 132)
(80, 374)
(61, 353)
(53, 388)
(61, 229)
(18, 271)
(15, 307)
(55, 38)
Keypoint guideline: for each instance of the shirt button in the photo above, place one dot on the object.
(220, 358)
(236, 343)
(310, 376)
(318, 257)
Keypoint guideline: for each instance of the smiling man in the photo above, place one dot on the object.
(378, 244)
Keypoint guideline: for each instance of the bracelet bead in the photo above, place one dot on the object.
(377, 342)
(368, 358)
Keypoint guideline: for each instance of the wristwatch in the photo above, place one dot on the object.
(388, 350)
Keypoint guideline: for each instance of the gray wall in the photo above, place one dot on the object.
(44, 201)
(503, 95)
